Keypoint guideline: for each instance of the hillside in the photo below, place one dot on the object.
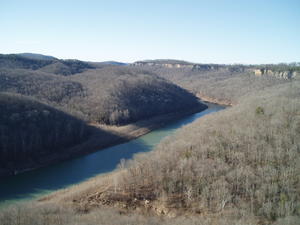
(238, 166)
(36, 56)
(15, 61)
(113, 95)
(43, 63)
(31, 131)
(106, 95)
(243, 160)
(46, 87)
(219, 83)
(119, 95)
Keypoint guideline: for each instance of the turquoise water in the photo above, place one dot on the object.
(42, 181)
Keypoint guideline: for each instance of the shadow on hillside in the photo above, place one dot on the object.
(72, 171)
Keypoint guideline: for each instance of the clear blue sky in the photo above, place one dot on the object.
(224, 31)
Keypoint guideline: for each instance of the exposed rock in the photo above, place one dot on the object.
(257, 72)
(167, 65)
(278, 74)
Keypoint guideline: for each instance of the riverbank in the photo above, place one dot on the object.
(207, 99)
(103, 136)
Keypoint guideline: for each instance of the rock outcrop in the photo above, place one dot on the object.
(279, 74)
(165, 63)
(178, 64)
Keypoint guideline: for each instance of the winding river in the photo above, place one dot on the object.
(45, 180)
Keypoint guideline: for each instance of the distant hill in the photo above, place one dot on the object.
(67, 67)
(49, 88)
(106, 63)
(37, 56)
(48, 64)
(220, 83)
(164, 61)
(15, 61)
(114, 63)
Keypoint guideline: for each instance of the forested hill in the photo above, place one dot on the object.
(119, 95)
(43, 63)
(46, 103)
(221, 83)
(107, 92)
(112, 95)
(30, 130)
(36, 56)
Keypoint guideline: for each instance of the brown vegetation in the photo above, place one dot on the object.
(115, 95)
(30, 130)
(239, 166)
(120, 95)
(89, 93)
(221, 83)
(246, 158)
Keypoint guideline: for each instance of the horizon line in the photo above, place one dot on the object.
(152, 59)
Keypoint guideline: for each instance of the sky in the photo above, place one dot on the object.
(211, 31)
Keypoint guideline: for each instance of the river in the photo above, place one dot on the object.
(36, 183)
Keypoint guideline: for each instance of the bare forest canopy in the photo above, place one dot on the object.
(241, 161)
(46, 104)
(30, 129)
(238, 166)
(219, 82)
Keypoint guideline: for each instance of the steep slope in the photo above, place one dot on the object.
(67, 67)
(49, 88)
(120, 95)
(110, 95)
(31, 131)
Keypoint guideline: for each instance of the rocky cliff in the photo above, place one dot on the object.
(281, 71)
(289, 74)
(164, 63)
(178, 64)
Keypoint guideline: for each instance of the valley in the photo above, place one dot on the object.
(236, 166)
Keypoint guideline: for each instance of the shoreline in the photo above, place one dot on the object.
(74, 195)
(104, 136)
(207, 99)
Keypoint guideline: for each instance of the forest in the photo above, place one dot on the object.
(238, 166)
(223, 84)
(241, 163)
(30, 129)
(78, 95)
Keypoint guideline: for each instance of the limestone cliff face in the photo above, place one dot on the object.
(279, 74)
(167, 65)
(286, 71)
(193, 66)
(198, 67)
